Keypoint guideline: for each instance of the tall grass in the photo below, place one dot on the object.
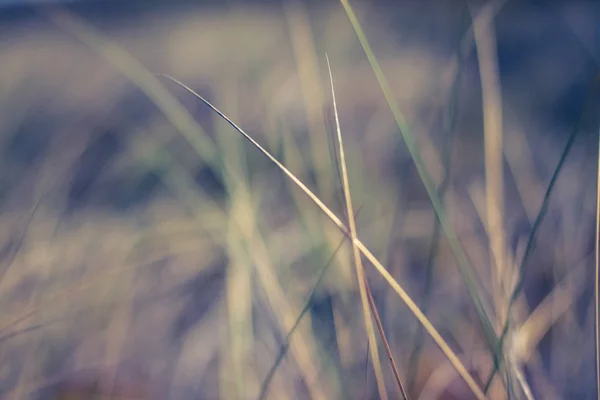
(262, 327)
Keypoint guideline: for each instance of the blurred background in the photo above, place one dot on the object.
(149, 251)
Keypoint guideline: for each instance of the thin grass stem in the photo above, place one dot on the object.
(452, 357)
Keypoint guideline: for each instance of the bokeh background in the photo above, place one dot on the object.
(146, 247)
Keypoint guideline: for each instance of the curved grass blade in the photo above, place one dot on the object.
(435, 335)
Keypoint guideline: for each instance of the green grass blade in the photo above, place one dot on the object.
(449, 124)
(459, 254)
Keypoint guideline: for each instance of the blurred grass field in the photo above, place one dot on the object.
(148, 250)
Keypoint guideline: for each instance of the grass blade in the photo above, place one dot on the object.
(449, 124)
(485, 43)
(386, 345)
(435, 335)
(459, 254)
(360, 272)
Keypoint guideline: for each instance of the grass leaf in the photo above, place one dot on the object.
(367, 306)
(435, 335)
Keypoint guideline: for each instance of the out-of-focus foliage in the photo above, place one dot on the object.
(132, 257)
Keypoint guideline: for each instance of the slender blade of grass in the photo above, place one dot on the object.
(448, 126)
(360, 272)
(485, 44)
(452, 357)
(386, 345)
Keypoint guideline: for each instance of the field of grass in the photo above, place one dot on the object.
(338, 200)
